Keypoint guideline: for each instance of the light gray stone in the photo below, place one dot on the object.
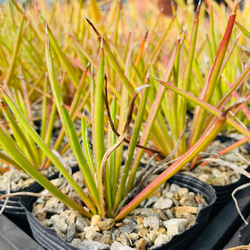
(216, 172)
(56, 208)
(167, 194)
(57, 182)
(117, 232)
(90, 235)
(151, 201)
(81, 223)
(152, 221)
(146, 211)
(133, 236)
(163, 203)
(71, 231)
(174, 187)
(106, 239)
(162, 239)
(76, 242)
(152, 236)
(118, 246)
(94, 245)
(169, 213)
(126, 229)
(59, 222)
(175, 226)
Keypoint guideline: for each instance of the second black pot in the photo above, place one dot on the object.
(48, 238)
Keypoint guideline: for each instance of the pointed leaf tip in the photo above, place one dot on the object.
(92, 26)
(137, 90)
(236, 7)
(102, 42)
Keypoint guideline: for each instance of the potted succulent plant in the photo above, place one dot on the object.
(107, 184)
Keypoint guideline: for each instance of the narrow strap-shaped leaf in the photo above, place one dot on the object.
(83, 51)
(131, 149)
(244, 30)
(113, 61)
(8, 160)
(15, 52)
(49, 129)
(20, 137)
(77, 150)
(110, 180)
(227, 96)
(214, 47)
(31, 146)
(64, 60)
(98, 120)
(206, 106)
(73, 107)
(86, 146)
(208, 89)
(187, 78)
(44, 109)
(160, 43)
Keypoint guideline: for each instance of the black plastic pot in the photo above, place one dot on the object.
(45, 236)
(14, 207)
(224, 231)
(182, 240)
(48, 238)
(223, 193)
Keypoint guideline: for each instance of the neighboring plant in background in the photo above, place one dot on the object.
(174, 102)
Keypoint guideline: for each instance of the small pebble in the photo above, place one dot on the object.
(95, 219)
(163, 203)
(141, 244)
(162, 239)
(175, 226)
(106, 224)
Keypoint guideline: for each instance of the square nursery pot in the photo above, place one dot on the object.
(48, 238)
(13, 238)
